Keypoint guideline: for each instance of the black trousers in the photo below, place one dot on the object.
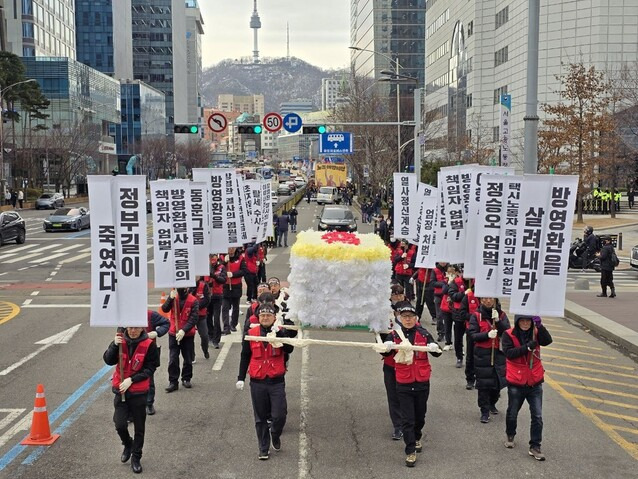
(269, 402)
(414, 406)
(390, 381)
(459, 331)
(487, 398)
(227, 304)
(469, 359)
(187, 348)
(213, 317)
(606, 279)
(135, 407)
(202, 330)
(251, 286)
(261, 273)
(404, 280)
(447, 323)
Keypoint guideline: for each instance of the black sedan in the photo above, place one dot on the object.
(337, 218)
(12, 228)
(66, 219)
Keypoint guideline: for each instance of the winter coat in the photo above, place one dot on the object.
(606, 263)
(488, 375)
(282, 224)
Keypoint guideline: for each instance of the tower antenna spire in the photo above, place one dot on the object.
(255, 24)
(287, 41)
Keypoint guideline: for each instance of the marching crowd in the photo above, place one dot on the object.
(497, 354)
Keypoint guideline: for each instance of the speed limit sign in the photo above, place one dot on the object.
(273, 122)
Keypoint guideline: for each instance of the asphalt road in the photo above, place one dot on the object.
(338, 424)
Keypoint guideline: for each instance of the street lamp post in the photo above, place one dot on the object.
(2, 178)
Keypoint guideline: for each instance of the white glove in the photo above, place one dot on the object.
(180, 335)
(492, 333)
(388, 346)
(173, 294)
(433, 348)
(152, 335)
(274, 344)
(494, 314)
(411, 281)
(468, 290)
(405, 266)
(119, 338)
(404, 255)
(124, 385)
(239, 385)
(404, 356)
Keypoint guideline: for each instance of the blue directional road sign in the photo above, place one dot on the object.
(338, 143)
(292, 122)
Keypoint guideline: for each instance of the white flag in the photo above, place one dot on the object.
(266, 226)
(214, 179)
(119, 284)
(199, 223)
(257, 209)
(405, 206)
(427, 242)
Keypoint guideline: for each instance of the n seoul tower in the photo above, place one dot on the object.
(255, 24)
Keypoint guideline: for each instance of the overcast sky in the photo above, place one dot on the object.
(319, 30)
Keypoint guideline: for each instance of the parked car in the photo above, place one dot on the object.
(12, 228)
(68, 219)
(49, 201)
(633, 259)
(328, 195)
(291, 184)
(299, 181)
(337, 218)
(283, 190)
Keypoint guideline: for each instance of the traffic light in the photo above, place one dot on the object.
(314, 129)
(189, 129)
(249, 129)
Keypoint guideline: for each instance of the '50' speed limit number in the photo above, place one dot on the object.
(273, 122)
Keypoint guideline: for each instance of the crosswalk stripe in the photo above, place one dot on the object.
(32, 254)
(21, 248)
(75, 258)
(61, 252)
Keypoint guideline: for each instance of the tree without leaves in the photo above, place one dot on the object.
(193, 153)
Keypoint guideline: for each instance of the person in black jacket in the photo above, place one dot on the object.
(458, 315)
(267, 380)
(133, 386)
(158, 326)
(203, 300)
(438, 279)
(487, 325)
(607, 267)
(383, 229)
(591, 246)
(218, 279)
(233, 289)
(525, 375)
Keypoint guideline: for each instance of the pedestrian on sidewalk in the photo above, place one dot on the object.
(21, 199)
(608, 263)
(525, 374)
(293, 219)
(130, 384)
(630, 197)
(7, 197)
(282, 228)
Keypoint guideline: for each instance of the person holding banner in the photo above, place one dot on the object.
(487, 325)
(456, 294)
(217, 279)
(403, 262)
(135, 356)
(262, 256)
(202, 293)
(157, 327)
(265, 363)
(525, 374)
(438, 280)
(184, 310)
(251, 256)
(469, 305)
(235, 270)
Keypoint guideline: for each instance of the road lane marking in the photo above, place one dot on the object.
(60, 252)
(630, 448)
(23, 425)
(26, 302)
(600, 371)
(12, 414)
(20, 248)
(221, 357)
(35, 293)
(75, 258)
(303, 412)
(626, 429)
(595, 355)
(589, 378)
(8, 311)
(606, 402)
(598, 390)
(595, 363)
(615, 415)
(570, 339)
(32, 254)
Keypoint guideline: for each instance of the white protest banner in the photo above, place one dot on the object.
(266, 228)
(255, 192)
(427, 241)
(231, 208)
(247, 195)
(544, 233)
(119, 283)
(423, 191)
(443, 250)
(199, 223)
(508, 243)
(173, 234)
(405, 205)
(472, 220)
(214, 179)
(240, 202)
(506, 112)
(454, 210)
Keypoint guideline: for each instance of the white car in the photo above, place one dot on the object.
(299, 181)
(633, 259)
(328, 195)
(274, 199)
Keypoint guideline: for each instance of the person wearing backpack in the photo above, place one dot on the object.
(608, 262)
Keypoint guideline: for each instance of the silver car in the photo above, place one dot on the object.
(68, 219)
(49, 201)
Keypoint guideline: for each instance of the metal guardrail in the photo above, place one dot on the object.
(296, 198)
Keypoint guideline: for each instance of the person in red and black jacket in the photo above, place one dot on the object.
(157, 326)
(217, 280)
(235, 270)
(438, 280)
(181, 336)
(487, 326)
(412, 374)
(469, 306)
(262, 256)
(455, 284)
(202, 292)
(525, 375)
(140, 358)
(251, 256)
(424, 293)
(252, 315)
(403, 264)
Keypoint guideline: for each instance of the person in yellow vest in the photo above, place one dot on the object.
(524, 374)
(131, 381)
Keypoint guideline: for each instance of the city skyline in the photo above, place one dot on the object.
(228, 34)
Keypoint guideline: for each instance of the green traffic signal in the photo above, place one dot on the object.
(194, 129)
(257, 130)
(321, 129)
(186, 129)
(314, 129)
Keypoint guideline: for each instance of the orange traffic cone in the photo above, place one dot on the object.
(162, 301)
(40, 430)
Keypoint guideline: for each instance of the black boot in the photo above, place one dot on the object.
(136, 465)
(613, 293)
(126, 453)
(603, 294)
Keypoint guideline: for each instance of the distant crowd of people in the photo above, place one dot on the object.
(13, 198)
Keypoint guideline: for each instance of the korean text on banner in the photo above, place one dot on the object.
(506, 113)
(443, 250)
(455, 207)
(255, 192)
(231, 217)
(241, 209)
(328, 174)
(266, 228)
(427, 241)
(214, 179)
(247, 196)
(544, 233)
(173, 234)
(119, 285)
(423, 191)
(405, 205)
(199, 222)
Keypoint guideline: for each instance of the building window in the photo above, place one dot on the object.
(27, 30)
(438, 53)
(470, 29)
(468, 100)
(501, 17)
(469, 66)
(438, 23)
(501, 56)
(498, 92)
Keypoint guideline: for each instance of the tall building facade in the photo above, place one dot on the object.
(329, 93)
(159, 52)
(251, 104)
(104, 37)
(394, 28)
(477, 50)
(194, 32)
(40, 28)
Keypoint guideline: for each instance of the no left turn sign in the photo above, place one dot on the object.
(273, 122)
(217, 122)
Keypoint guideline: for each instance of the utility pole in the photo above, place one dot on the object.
(531, 99)
(418, 94)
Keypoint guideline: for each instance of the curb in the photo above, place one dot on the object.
(606, 327)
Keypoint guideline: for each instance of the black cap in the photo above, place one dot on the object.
(405, 307)
(267, 308)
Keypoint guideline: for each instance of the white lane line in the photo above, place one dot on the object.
(219, 362)
(20, 248)
(303, 412)
(75, 258)
(32, 254)
(23, 425)
(61, 252)
(35, 293)
(27, 302)
(11, 415)
(53, 273)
